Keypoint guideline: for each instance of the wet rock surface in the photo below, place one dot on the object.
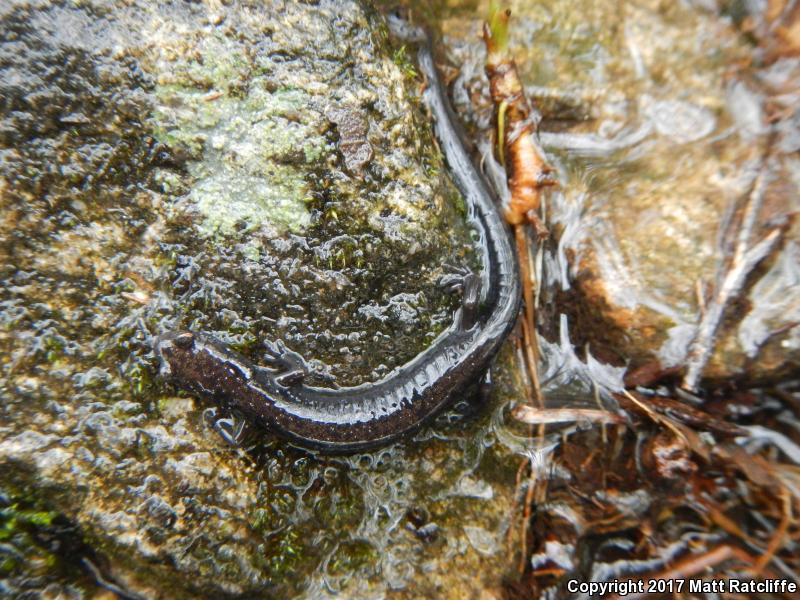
(265, 172)
(664, 128)
(254, 172)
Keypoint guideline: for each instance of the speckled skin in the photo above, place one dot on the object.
(356, 418)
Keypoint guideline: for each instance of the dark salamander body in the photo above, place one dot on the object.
(369, 415)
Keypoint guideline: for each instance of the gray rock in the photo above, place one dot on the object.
(167, 165)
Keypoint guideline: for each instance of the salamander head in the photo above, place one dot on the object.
(177, 351)
(202, 364)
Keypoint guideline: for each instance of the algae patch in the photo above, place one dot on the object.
(247, 142)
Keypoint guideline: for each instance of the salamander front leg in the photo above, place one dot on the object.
(463, 280)
(291, 366)
(230, 425)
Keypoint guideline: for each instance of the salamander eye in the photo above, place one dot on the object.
(184, 340)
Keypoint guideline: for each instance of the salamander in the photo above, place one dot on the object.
(350, 419)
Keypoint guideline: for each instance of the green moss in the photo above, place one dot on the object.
(14, 516)
(162, 404)
(54, 348)
(403, 61)
(261, 519)
(353, 556)
(252, 250)
(281, 555)
(289, 551)
(21, 519)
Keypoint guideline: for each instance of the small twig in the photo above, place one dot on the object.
(778, 540)
(531, 354)
(685, 413)
(213, 96)
(526, 383)
(514, 504)
(657, 418)
(701, 297)
(720, 519)
(528, 414)
(745, 259)
(526, 518)
(694, 565)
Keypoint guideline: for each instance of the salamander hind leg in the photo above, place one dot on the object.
(454, 276)
(485, 387)
(467, 282)
(470, 404)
